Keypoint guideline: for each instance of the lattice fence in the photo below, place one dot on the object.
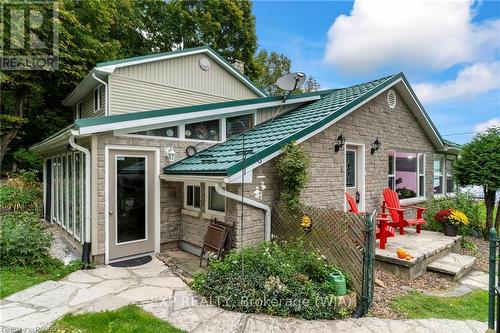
(346, 239)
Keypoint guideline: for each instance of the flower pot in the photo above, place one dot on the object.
(450, 230)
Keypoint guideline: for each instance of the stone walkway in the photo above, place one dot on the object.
(473, 281)
(156, 289)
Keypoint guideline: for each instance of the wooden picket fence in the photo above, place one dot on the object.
(346, 239)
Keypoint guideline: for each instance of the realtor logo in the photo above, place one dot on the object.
(30, 35)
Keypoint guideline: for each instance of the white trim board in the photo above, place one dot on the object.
(106, 194)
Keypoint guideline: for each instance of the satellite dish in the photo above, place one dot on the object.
(291, 81)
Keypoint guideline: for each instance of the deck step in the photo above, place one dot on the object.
(453, 264)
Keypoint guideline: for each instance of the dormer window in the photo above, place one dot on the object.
(97, 99)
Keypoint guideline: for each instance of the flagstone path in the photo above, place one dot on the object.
(158, 290)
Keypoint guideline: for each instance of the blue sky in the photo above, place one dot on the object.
(449, 50)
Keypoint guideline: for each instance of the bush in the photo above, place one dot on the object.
(463, 202)
(22, 192)
(23, 240)
(276, 278)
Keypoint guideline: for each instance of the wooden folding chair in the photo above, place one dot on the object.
(215, 238)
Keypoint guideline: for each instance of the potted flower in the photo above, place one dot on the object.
(451, 219)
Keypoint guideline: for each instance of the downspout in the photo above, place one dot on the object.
(86, 243)
(250, 202)
(105, 93)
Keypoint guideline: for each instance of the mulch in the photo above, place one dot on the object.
(431, 282)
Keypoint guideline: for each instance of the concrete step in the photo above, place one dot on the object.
(453, 264)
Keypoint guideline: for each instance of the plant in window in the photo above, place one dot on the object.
(292, 167)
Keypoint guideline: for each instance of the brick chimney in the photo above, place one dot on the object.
(239, 65)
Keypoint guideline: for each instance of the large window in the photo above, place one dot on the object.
(205, 130)
(167, 132)
(215, 201)
(238, 124)
(406, 174)
(443, 179)
(68, 192)
(192, 196)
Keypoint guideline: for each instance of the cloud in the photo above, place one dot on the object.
(429, 34)
(482, 127)
(470, 82)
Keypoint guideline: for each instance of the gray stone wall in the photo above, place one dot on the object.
(396, 129)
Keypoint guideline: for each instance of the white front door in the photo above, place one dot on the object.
(131, 203)
(354, 174)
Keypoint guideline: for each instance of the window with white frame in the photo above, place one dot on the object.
(68, 194)
(406, 174)
(450, 180)
(238, 124)
(438, 178)
(97, 99)
(204, 130)
(215, 202)
(192, 195)
(167, 132)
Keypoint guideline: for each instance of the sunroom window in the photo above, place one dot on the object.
(236, 125)
(406, 174)
(204, 130)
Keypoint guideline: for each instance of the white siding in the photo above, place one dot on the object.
(173, 82)
(132, 95)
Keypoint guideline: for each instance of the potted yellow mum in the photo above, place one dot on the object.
(451, 219)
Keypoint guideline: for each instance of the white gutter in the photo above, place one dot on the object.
(87, 185)
(106, 113)
(250, 202)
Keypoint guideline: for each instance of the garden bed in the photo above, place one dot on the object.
(276, 278)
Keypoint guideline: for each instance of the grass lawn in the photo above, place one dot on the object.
(14, 279)
(417, 305)
(124, 320)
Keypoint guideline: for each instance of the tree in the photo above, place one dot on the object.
(311, 85)
(228, 26)
(271, 66)
(479, 164)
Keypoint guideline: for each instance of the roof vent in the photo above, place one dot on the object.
(391, 99)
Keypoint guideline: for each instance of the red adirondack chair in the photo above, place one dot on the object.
(391, 203)
(353, 207)
(382, 230)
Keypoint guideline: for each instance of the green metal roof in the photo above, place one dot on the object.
(267, 138)
(102, 120)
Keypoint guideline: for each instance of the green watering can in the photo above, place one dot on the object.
(338, 281)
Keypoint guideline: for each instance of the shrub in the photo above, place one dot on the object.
(276, 278)
(22, 192)
(292, 168)
(463, 202)
(23, 240)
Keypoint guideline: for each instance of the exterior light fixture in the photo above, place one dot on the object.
(170, 154)
(340, 142)
(375, 146)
